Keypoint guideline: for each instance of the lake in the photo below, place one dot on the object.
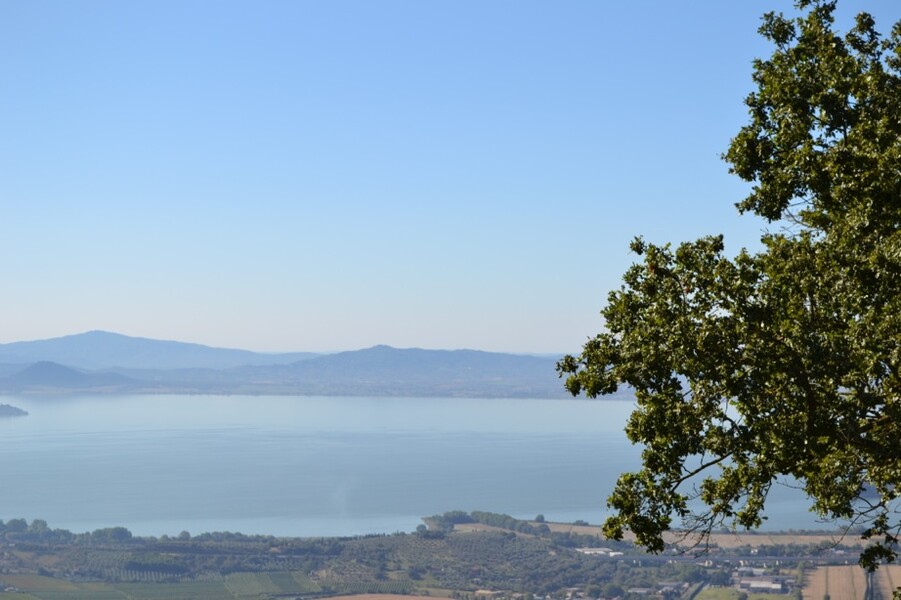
(311, 466)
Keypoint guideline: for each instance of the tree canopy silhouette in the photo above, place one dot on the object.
(782, 363)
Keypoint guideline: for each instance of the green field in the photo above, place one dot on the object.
(235, 586)
(250, 584)
(46, 588)
(254, 585)
(188, 590)
(721, 593)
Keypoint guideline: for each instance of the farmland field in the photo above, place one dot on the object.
(238, 585)
(722, 540)
(257, 584)
(250, 584)
(39, 583)
(381, 597)
(725, 593)
(847, 582)
(187, 590)
(886, 579)
(382, 567)
(49, 588)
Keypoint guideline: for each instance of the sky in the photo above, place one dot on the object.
(331, 175)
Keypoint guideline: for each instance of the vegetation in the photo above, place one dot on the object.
(785, 362)
(51, 564)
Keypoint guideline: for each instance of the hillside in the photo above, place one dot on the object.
(51, 376)
(387, 371)
(97, 350)
(107, 362)
(510, 560)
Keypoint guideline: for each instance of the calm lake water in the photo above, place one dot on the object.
(312, 465)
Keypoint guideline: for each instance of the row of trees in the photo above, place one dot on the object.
(38, 531)
(442, 524)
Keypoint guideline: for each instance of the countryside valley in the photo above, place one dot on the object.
(468, 556)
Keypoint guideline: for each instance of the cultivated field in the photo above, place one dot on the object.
(886, 579)
(846, 582)
(722, 540)
(234, 587)
(381, 597)
(725, 593)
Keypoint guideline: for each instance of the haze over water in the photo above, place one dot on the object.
(305, 466)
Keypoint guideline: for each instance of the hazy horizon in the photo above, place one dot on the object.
(313, 351)
(315, 176)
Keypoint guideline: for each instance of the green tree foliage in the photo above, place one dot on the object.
(784, 363)
(112, 534)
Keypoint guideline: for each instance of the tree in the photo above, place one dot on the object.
(38, 526)
(612, 590)
(783, 363)
(720, 577)
(16, 525)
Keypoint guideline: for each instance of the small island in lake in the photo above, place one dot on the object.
(7, 410)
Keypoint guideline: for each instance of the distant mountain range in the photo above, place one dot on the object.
(102, 350)
(102, 362)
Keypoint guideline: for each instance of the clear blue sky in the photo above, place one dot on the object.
(298, 175)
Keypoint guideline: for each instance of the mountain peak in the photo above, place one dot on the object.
(48, 374)
(97, 349)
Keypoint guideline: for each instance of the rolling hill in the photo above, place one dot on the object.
(103, 350)
(101, 362)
